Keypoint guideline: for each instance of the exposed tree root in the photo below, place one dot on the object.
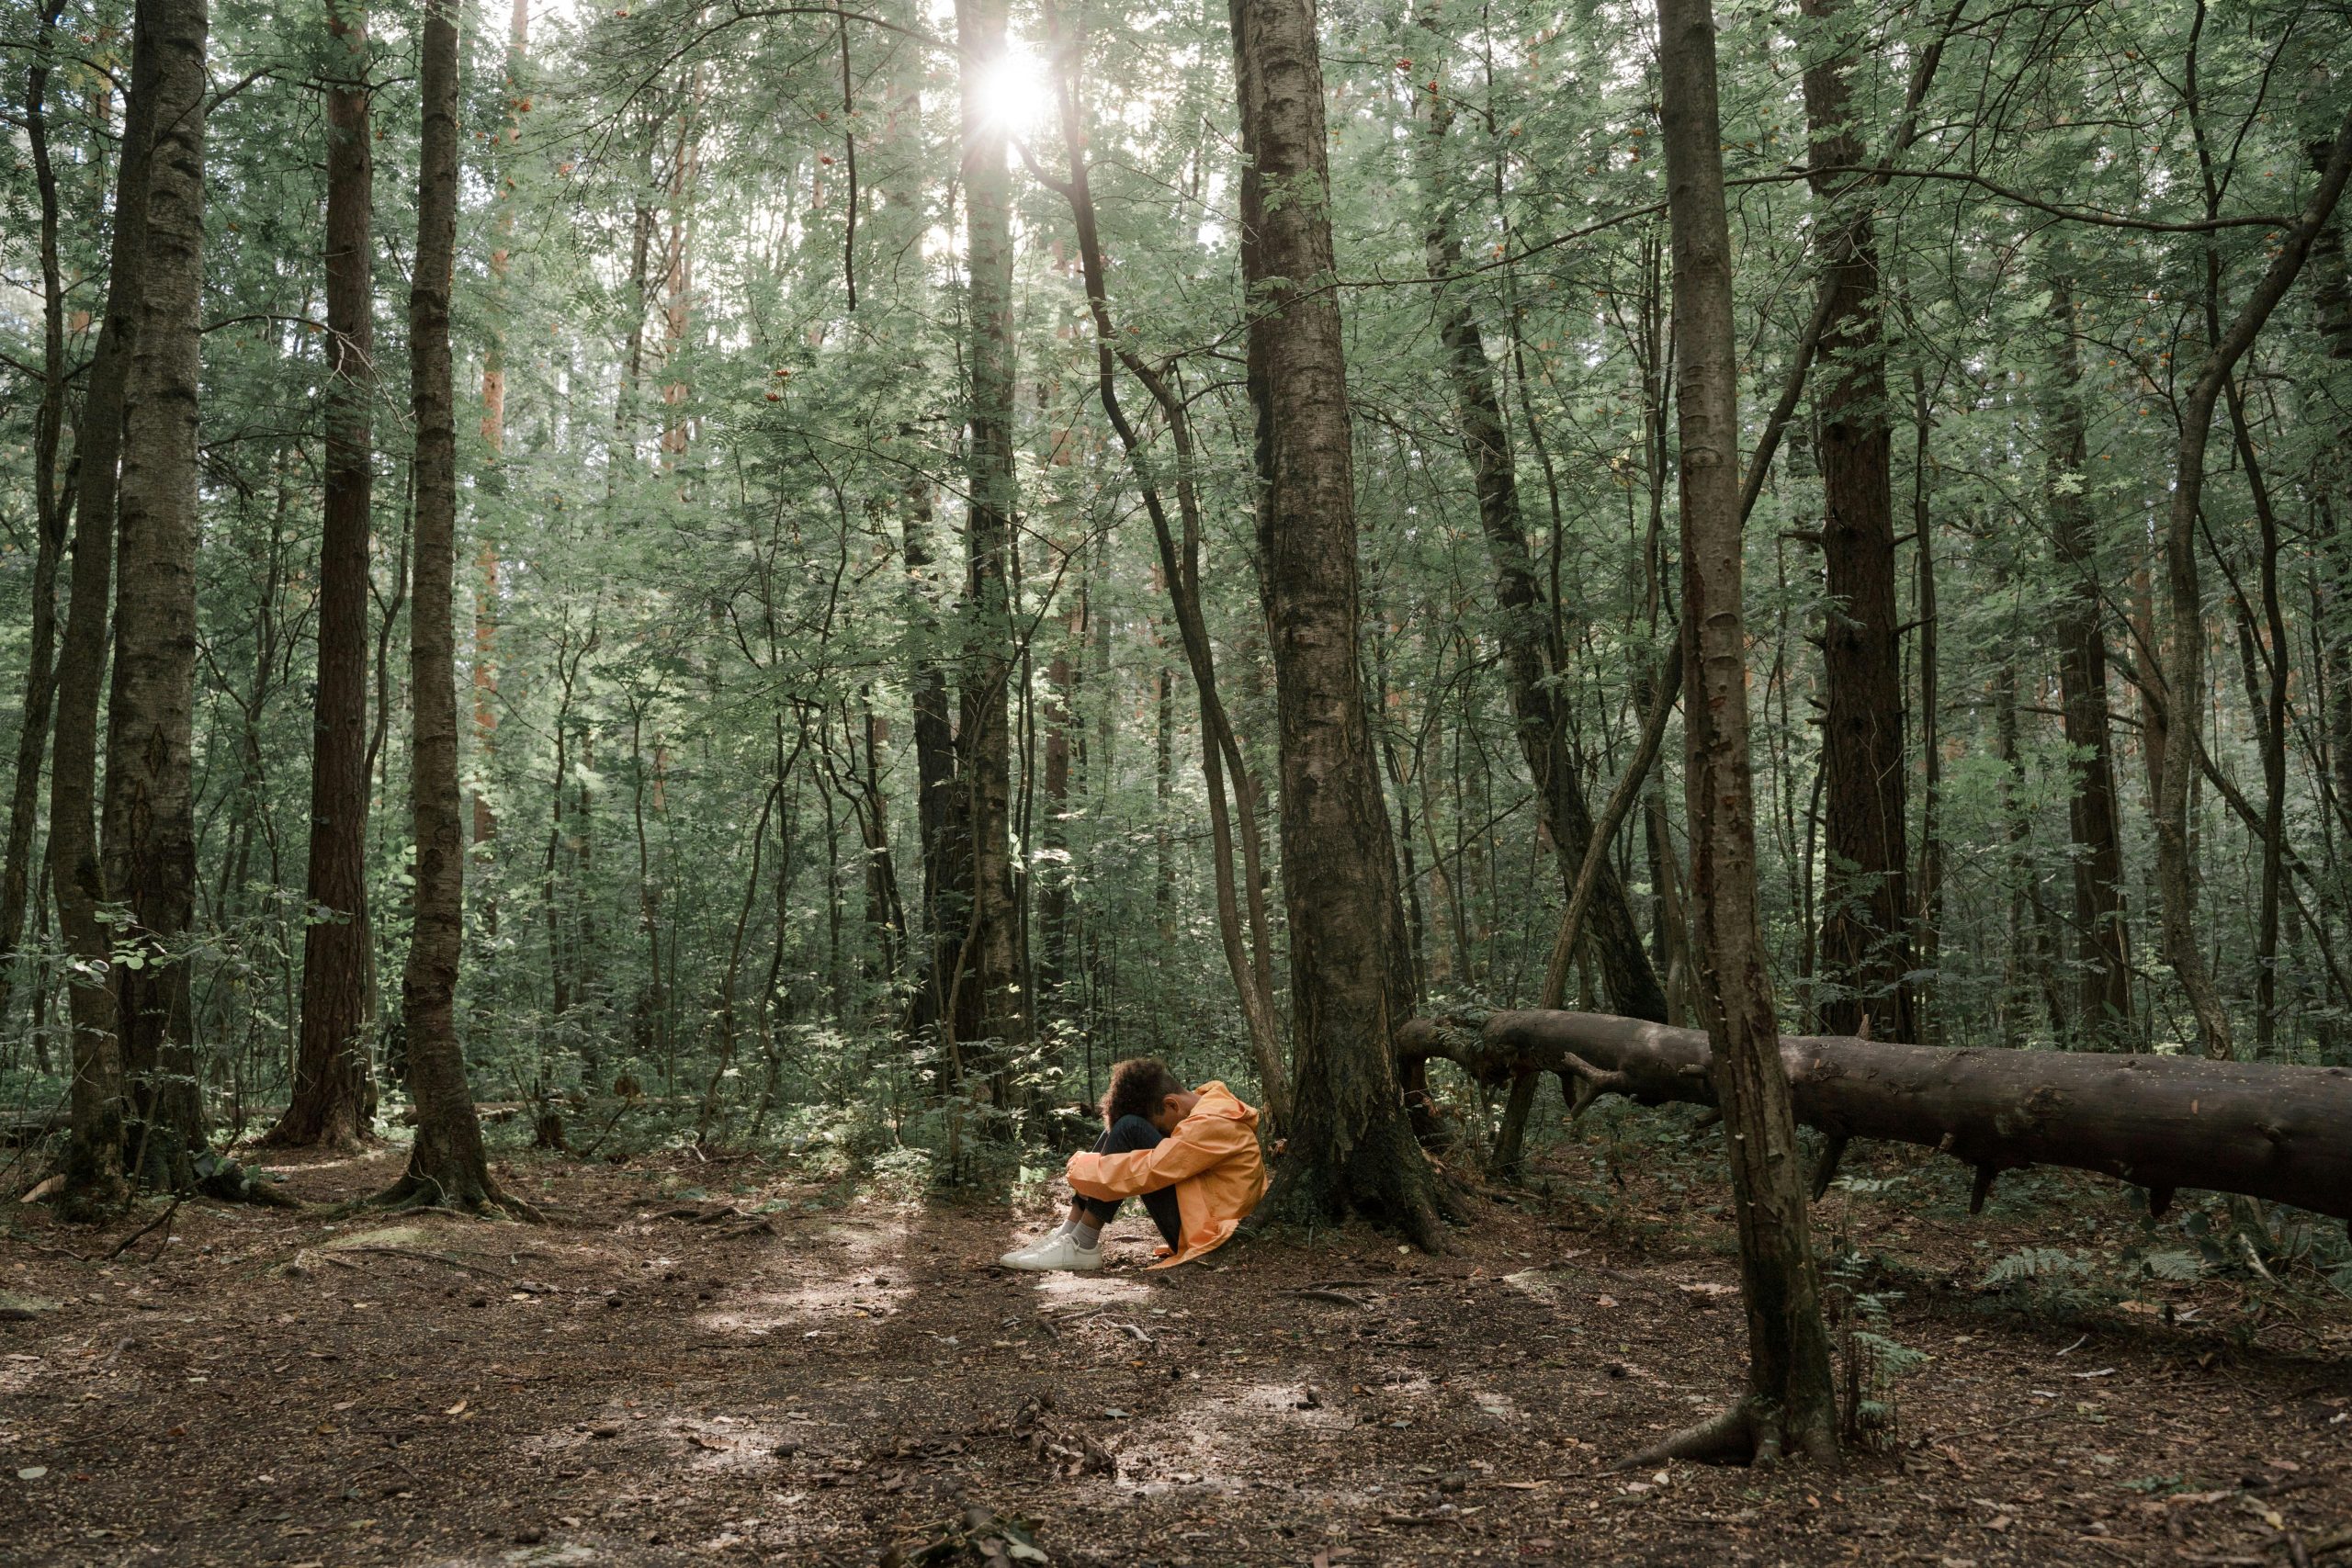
(1751, 1432)
(413, 1192)
(1413, 1205)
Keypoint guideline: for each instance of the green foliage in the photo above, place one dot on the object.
(692, 631)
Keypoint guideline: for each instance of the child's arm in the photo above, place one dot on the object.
(1196, 1145)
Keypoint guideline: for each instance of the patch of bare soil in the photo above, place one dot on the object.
(787, 1374)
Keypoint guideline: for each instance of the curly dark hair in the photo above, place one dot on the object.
(1140, 1086)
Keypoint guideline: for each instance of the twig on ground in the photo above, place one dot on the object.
(1322, 1295)
(164, 1219)
(2030, 1415)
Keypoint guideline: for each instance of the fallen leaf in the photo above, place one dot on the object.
(457, 1409)
(32, 1473)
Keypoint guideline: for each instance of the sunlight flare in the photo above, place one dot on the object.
(1015, 93)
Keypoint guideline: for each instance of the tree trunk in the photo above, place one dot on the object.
(2333, 285)
(2185, 670)
(1928, 914)
(1351, 1147)
(446, 1166)
(1526, 615)
(1865, 943)
(1790, 1400)
(94, 1154)
(2164, 1123)
(49, 515)
(1056, 871)
(990, 1010)
(147, 811)
(2103, 1003)
(329, 1104)
(946, 898)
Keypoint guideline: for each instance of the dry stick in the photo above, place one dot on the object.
(162, 1219)
(1314, 1296)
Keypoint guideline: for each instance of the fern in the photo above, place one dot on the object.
(2032, 1263)
(2177, 1267)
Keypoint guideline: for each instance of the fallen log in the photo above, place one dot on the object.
(2162, 1123)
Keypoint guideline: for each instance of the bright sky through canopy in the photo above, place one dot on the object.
(1016, 92)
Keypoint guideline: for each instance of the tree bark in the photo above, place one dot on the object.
(946, 898)
(94, 1155)
(991, 1012)
(148, 811)
(329, 1105)
(2185, 667)
(51, 512)
(2332, 287)
(1351, 1147)
(1790, 1402)
(2103, 1003)
(2162, 1123)
(1865, 941)
(447, 1167)
(1526, 621)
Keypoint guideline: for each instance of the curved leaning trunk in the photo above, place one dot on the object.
(2161, 1123)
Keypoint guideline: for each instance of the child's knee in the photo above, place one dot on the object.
(1133, 1133)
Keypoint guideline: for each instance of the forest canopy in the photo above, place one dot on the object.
(767, 563)
(770, 595)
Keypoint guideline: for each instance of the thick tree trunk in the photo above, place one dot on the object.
(990, 1011)
(51, 512)
(1351, 1146)
(2103, 1004)
(1865, 941)
(1525, 614)
(2162, 1123)
(148, 810)
(1790, 1403)
(330, 1101)
(94, 1154)
(2185, 667)
(446, 1164)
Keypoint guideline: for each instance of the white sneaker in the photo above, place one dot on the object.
(1055, 1252)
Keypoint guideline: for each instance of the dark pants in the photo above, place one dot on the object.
(1125, 1135)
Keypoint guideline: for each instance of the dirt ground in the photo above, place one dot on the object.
(733, 1362)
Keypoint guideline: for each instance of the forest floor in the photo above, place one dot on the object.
(730, 1361)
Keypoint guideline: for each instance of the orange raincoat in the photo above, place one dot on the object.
(1211, 1159)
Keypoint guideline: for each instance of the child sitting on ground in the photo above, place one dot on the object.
(1191, 1155)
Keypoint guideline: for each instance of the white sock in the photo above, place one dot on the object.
(1088, 1236)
